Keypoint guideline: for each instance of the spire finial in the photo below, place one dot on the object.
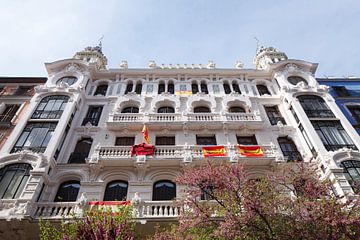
(257, 44)
(100, 42)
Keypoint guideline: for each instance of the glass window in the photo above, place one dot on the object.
(101, 90)
(352, 173)
(205, 140)
(130, 110)
(274, 115)
(13, 179)
(165, 141)
(289, 149)
(68, 192)
(129, 88)
(161, 88)
(246, 140)
(315, 107)
(138, 88)
(341, 91)
(81, 151)
(164, 190)
(204, 88)
(236, 88)
(68, 80)
(124, 141)
(355, 112)
(50, 107)
(262, 89)
(194, 88)
(202, 110)
(116, 191)
(171, 88)
(333, 135)
(35, 137)
(227, 88)
(216, 88)
(166, 110)
(93, 115)
(236, 110)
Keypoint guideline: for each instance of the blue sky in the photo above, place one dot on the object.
(179, 31)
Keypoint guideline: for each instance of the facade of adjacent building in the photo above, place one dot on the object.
(72, 144)
(346, 92)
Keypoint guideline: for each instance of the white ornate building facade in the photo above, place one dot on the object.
(73, 143)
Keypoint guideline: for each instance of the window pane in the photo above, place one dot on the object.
(5, 181)
(15, 182)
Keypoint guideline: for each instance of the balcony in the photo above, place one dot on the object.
(142, 210)
(121, 155)
(135, 121)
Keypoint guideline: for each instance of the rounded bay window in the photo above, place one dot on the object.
(13, 179)
(294, 80)
(69, 80)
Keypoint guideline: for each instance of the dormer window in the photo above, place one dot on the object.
(101, 90)
(68, 80)
(263, 90)
(294, 80)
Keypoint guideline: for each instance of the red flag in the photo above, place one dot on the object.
(214, 151)
(250, 151)
(145, 133)
(143, 149)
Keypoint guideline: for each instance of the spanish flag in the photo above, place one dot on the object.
(214, 151)
(250, 151)
(145, 133)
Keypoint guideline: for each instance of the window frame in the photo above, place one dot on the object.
(110, 195)
(20, 171)
(51, 107)
(69, 198)
(159, 196)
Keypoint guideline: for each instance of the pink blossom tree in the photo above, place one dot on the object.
(289, 204)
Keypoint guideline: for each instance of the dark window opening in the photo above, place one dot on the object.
(274, 115)
(161, 88)
(164, 190)
(68, 192)
(227, 88)
(13, 179)
(124, 141)
(101, 90)
(171, 88)
(116, 191)
(130, 110)
(165, 141)
(204, 88)
(202, 110)
(246, 140)
(236, 88)
(129, 88)
(315, 107)
(341, 91)
(8, 114)
(50, 107)
(194, 88)
(206, 140)
(81, 151)
(24, 91)
(138, 88)
(352, 173)
(289, 149)
(68, 80)
(166, 110)
(263, 90)
(294, 80)
(236, 110)
(93, 115)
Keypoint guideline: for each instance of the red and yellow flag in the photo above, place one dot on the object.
(214, 151)
(145, 133)
(250, 151)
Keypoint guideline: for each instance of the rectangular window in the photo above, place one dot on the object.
(8, 114)
(341, 91)
(35, 137)
(24, 91)
(246, 140)
(274, 115)
(124, 141)
(333, 135)
(165, 141)
(149, 88)
(216, 88)
(93, 115)
(355, 112)
(205, 140)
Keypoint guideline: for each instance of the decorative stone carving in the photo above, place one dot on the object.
(124, 64)
(141, 159)
(72, 67)
(239, 65)
(210, 64)
(152, 64)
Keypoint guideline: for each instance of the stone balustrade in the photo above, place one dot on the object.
(56, 210)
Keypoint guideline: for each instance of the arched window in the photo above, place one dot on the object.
(263, 89)
(69, 80)
(315, 106)
(130, 110)
(138, 88)
(116, 191)
(50, 107)
(68, 192)
(352, 173)
(236, 110)
(166, 110)
(194, 88)
(202, 110)
(164, 190)
(129, 88)
(13, 179)
(227, 88)
(101, 90)
(161, 88)
(204, 88)
(81, 151)
(171, 88)
(236, 88)
(294, 80)
(289, 149)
